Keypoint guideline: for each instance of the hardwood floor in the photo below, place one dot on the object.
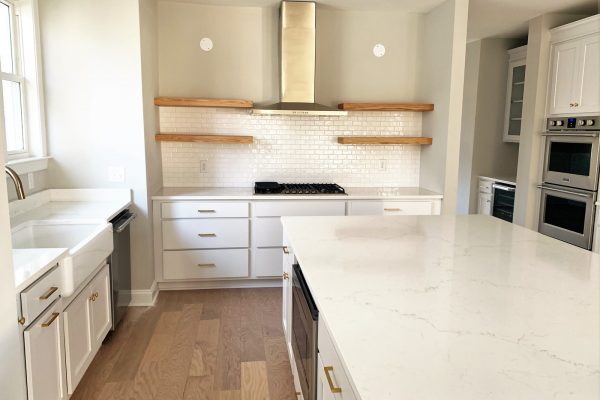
(222, 344)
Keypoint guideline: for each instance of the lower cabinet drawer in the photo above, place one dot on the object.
(374, 207)
(37, 297)
(205, 233)
(301, 208)
(205, 264)
(267, 262)
(331, 373)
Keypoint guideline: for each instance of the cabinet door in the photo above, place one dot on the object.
(485, 204)
(100, 307)
(323, 390)
(288, 261)
(78, 338)
(563, 78)
(514, 100)
(588, 89)
(44, 357)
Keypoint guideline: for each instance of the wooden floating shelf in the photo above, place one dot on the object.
(386, 106)
(195, 102)
(177, 137)
(384, 140)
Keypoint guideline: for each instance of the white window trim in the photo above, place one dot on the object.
(33, 94)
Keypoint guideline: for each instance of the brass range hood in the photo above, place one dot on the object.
(297, 63)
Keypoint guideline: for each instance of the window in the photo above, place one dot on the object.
(20, 92)
(12, 80)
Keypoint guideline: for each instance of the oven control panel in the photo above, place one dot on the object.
(590, 123)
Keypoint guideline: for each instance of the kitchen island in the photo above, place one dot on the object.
(451, 307)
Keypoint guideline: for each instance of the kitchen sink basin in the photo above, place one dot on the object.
(88, 244)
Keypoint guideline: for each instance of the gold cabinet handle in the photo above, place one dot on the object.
(206, 265)
(21, 320)
(206, 211)
(392, 209)
(285, 250)
(48, 293)
(97, 294)
(286, 275)
(332, 387)
(50, 320)
(576, 104)
(207, 234)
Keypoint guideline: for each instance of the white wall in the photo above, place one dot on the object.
(483, 152)
(40, 181)
(244, 61)
(441, 79)
(94, 96)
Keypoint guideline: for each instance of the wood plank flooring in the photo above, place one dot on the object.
(218, 344)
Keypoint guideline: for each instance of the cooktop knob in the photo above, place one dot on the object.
(559, 123)
(552, 123)
(589, 122)
(581, 122)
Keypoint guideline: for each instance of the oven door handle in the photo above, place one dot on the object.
(565, 191)
(503, 187)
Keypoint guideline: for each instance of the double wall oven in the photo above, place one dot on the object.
(570, 179)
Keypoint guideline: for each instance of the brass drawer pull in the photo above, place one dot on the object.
(207, 234)
(332, 387)
(207, 211)
(207, 265)
(392, 209)
(286, 275)
(51, 320)
(49, 293)
(285, 250)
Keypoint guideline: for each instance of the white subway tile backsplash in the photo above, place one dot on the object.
(288, 149)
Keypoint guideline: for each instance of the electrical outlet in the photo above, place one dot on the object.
(203, 166)
(116, 174)
(383, 165)
(31, 180)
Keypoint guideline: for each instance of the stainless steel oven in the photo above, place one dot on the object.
(305, 317)
(567, 214)
(571, 153)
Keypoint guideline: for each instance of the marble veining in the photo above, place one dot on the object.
(454, 307)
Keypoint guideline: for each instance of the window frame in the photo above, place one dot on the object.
(27, 72)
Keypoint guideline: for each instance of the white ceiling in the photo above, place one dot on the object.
(487, 18)
(508, 18)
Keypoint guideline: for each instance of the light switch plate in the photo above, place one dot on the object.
(31, 180)
(116, 174)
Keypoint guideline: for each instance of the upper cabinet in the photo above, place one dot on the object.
(574, 84)
(514, 94)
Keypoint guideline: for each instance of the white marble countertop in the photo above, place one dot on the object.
(511, 180)
(247, 193)
(31, 264)
(65, 205)
(454, 307)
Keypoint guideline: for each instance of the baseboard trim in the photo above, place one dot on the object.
(225, 284)
(144, 298)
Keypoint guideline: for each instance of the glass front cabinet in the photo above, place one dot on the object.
(514, 94)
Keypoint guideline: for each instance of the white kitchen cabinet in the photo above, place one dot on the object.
(574, 83)
(205, 233)
(323, 390)
(596, 241)
(288, 262)
(485, 196)
(206, 264)
(87, 321)
(331, 373)
(514, 94)
(44, 356)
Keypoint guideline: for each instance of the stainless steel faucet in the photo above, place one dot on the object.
(17, 181)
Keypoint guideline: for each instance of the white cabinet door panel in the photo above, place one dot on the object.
(39, 296)
(78, 338)
(376, 207)
(267, 232)
(44, 357)
(267, 262)
(101, 306)
(563, 77)
(589, 88)
(205, 264)
(205, 233)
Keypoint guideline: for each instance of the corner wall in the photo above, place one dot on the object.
(443, 44)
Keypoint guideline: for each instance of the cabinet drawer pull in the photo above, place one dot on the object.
(51, 320)
(207, 211)
(285, 250)
(207, 234)
(392, 209)
(48, 293)
(206, 265)
(332, 387)
(286, 275)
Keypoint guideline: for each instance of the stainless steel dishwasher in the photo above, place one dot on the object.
(120, 266)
